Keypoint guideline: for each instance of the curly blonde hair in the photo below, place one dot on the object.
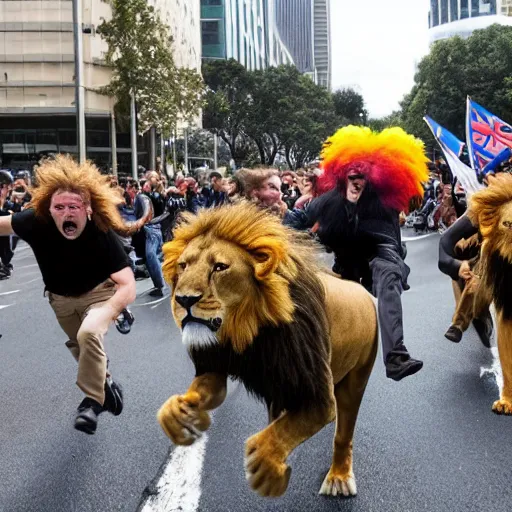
(63, 174)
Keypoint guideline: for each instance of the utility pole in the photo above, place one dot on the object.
(79, 85)
(133, 136)
(113, 141)
(185, 136)
(152, 148)
(215, 158)
(174, 159)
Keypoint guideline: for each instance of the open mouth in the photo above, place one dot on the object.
(69, 228)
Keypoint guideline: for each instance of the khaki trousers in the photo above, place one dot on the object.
(85, 345)
(470, 301)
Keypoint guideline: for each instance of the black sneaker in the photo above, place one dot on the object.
(453, 334)
(399, 367)
(125, 321)
(87, 417)
(156, 292)
(113, 397)
(483, 327)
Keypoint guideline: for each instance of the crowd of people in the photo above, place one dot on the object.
(352, 207)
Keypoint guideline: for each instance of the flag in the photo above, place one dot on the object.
(487, 135)
(444, 137)
(452, 149)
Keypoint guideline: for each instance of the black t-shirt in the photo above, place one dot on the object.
(70, 267)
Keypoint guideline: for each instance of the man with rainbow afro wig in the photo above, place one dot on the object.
(368, 179)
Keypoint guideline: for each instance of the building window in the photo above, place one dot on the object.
(475, 8)
(454, 10)
(207, 3)
(464, 9)
(210, 32)
(444, 11)
(435, 13)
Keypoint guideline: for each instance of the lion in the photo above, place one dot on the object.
(253, 305)
(491, 210)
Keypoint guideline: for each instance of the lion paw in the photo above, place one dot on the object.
(266, 473)
(502, 406)
(181, 419)
(335, 485)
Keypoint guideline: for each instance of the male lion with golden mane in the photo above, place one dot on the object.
(491, 210)
(253, 305)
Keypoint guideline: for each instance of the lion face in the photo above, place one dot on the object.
(213, 278)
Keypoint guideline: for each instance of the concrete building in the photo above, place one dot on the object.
(449, 18)
(37, 94)
(244, 30)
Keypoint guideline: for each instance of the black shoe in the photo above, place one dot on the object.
(156, 292)
(125, 321)
(483, 327)
(398, 367)
(113, 397)
(453, 334)
(87, 417)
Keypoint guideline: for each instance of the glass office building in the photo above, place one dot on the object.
(449, 18)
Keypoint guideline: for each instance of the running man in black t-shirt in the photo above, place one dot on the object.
(70, 227)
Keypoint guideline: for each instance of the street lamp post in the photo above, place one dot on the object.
(79, 85)
(133, 136)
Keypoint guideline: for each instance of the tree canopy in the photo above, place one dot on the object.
(140, 54)
(349, 107)
(276, 111)
(480, 66)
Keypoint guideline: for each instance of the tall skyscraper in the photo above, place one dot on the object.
(448, 18)
(262, 33)
(242, 30)
(304, 28)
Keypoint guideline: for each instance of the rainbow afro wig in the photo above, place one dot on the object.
(393, 162)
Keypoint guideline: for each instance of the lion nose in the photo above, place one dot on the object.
(187, 301)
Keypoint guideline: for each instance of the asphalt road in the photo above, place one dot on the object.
(428, 443)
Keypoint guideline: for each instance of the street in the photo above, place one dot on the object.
(428, 443)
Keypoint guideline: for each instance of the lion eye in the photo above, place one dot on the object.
(182, 265)
(219, 267)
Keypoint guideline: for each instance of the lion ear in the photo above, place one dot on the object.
(266, 261)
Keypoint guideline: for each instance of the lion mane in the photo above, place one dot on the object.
(486, 211)
(277, 341)
(62, 173)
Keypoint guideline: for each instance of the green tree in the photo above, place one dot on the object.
(141, 58)
(349, 107)
(228, 101)
(393, 119)
(480, 66)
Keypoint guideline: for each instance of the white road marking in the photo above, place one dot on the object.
(158, 301)
(27, 266)
(179, 487)
(31, 281)
(414, 238)
(9, 293)
(7, 306)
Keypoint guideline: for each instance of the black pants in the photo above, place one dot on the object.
(389, 275)
(6, 253)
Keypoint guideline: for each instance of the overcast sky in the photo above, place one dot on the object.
(375, 47)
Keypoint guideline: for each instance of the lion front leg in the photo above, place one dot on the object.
(184, 418)
(266, 452)
(504, 404)
(340, 480)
